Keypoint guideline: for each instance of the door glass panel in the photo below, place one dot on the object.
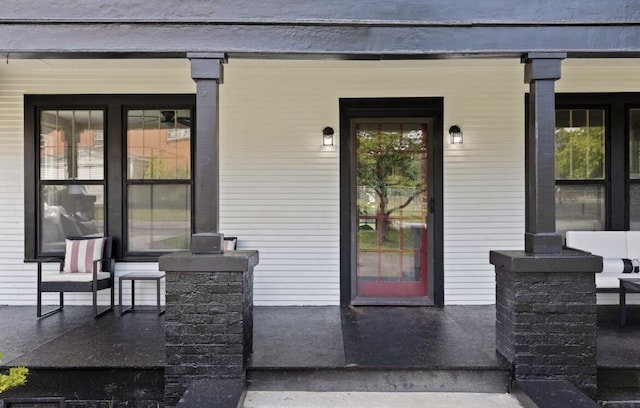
(391, 209)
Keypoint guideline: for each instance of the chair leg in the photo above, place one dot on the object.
(95, 303)
(49, 313)
(39, 302)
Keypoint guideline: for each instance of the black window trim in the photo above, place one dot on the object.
(115, 106)
(616, 181)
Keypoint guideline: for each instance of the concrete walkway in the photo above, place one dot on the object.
(276, 399)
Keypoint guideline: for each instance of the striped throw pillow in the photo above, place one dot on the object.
(80, 254)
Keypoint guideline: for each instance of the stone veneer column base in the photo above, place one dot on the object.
(546, 315)
(208, 319)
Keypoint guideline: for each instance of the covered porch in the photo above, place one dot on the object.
(121, 358)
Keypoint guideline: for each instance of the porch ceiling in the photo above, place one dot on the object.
(357, 29)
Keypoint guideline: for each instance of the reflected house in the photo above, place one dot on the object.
(73, 150)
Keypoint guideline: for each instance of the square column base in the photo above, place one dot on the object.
(546, 315)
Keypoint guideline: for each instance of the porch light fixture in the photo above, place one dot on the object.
(455, 134)
(327, 136)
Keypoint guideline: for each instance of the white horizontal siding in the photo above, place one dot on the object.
(20, 77)
(280, 188)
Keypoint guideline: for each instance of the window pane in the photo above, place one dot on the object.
(159, 217)
(70, 211)
(634, 143)
(71, 145)
(579, 208)
(159, 144)
(634, 207)
(580, 144)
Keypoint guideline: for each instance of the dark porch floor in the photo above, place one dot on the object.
(330, 338)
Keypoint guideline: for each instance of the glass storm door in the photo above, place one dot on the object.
(392, 208)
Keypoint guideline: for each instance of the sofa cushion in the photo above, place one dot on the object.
(607, 244)
(633, 244)
(607, 281)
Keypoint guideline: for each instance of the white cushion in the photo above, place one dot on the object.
(608, 244)
(73, 277)
(633, 244)
(606, 280)
(80, 254)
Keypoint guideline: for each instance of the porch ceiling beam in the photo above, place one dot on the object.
(334, 11)
(206, 71)
(340, 41)
(541, 71)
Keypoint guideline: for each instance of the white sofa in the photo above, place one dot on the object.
(620, 252)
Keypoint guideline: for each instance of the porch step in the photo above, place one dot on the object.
(483, 380)
(619, 387)
(85, 387)
(303, 399)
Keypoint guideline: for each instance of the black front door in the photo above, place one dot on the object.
(391, 155)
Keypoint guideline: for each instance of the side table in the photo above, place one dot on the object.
(626, 284)
(133, 277)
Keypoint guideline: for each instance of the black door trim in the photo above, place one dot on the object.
(351, 108)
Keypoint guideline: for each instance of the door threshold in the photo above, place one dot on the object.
(391, 302)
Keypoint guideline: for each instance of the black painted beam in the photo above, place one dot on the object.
(340, 11)
(345, 40)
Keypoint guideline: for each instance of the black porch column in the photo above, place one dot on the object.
(545, 295)
(541, 71)
(206, 71)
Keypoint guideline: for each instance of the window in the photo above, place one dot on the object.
(158, 180)
(597, 161)
(117, 165)
(634, 168)
(580, 169)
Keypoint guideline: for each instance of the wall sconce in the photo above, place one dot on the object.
(327, 136)
(455, 134)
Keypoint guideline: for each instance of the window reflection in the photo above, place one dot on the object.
(71, 145)
(75, 210)
(158, 144)
(159, 179)
(579, 144)
(71, 157)
(159, 217)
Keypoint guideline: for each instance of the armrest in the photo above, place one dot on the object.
(60, 261)
(111, 270)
